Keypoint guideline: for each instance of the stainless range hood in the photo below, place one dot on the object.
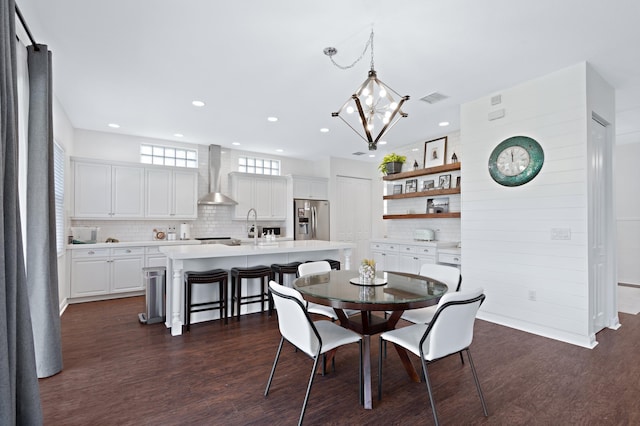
(215, 197)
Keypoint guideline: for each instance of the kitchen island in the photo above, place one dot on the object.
(210, 256)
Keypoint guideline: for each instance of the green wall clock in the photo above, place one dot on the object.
(515, 161)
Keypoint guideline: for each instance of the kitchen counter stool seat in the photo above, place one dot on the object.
(237, 275)
(335, 264)
(214, 276)
(279, 270)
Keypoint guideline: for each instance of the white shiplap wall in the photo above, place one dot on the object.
(532, 282)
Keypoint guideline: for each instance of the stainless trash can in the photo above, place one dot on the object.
(155, 287)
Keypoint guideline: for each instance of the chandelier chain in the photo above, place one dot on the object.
(366, 46)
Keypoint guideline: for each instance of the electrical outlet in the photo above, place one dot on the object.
(561, 233)
(532, 295)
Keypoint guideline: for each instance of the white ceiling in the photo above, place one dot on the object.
(140, 63)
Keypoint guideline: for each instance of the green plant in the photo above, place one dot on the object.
(391, 158)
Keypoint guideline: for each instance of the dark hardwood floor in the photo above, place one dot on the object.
(119, 372)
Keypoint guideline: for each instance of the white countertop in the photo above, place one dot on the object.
(217, 250)
(134, 244)
(438, 244)
(450, 250)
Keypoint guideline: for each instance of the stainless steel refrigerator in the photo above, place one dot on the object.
(310, 219)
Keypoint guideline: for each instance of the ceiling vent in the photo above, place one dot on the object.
(434, 97)
(358, 153)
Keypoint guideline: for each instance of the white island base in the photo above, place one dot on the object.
(210, 256)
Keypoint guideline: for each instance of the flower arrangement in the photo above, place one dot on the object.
(367, 271)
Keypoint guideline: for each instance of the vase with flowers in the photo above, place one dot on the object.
(367, 271)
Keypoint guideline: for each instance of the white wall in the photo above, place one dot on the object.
(506, 232)
(627, 174)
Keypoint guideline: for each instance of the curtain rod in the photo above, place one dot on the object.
(26, 28)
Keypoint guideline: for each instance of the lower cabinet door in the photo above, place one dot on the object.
(127, 274)
(90, 277)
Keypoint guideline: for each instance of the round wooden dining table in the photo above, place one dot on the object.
(392, 292)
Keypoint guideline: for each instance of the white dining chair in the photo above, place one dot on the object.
(449, 332)
(448, 275)
(319, 267)
(314, 338)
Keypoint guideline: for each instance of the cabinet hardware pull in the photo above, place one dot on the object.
(456, 259)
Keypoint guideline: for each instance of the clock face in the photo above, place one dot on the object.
(515, 161)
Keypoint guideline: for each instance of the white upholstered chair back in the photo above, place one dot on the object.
(313, 268)
(294, 322)
(451, 329)
(448, 275)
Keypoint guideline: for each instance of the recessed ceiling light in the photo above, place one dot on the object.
(443, 123)
(324, 130)
(197, 103)
(382, 142)
(114, 125)
(414, 149)
(372, 155)
(235, 143)
(272, 119)
(178, 135)
(279, 150)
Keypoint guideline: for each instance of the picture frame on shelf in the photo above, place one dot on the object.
(411, 186)
(438, 205)
(428, 185)
(435, 152)
(458, 182)
(397, 189)
(444, 182)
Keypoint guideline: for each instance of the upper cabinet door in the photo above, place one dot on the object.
(307, 187)
(92, 190)
(159, 202)
(185, 194)
(127, 192)
(266, 194)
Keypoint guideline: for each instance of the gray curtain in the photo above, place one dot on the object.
(19, 392)
(42, 259)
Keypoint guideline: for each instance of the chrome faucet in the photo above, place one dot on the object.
(255, 225)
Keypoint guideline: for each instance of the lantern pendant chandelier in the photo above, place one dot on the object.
(372, 108)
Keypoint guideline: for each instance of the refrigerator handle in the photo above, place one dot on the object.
(314, 222)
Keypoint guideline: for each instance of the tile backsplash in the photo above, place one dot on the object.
(213, 221)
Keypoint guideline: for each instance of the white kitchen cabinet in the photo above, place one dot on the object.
(402, 257)
(106, 271)
(107, 191)
(171, 193)
(385, 255)
(266, 194)
(308, 187)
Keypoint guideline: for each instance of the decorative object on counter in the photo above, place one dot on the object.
(392, 163)
(438, 205)
(377, 110)
(397, 189)
(171, 234)
(516, 161)
(428, 185)
(454, 158)
(159, 234)
(435, 152)
(84, 234)
(415, 165)
(411, 186)
(367, 271)
(444, 182)
(112, 240)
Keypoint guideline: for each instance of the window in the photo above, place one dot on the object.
(58, 183)
(167, 156)
(259, 166)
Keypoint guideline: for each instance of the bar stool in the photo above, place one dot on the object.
(278, 270)
(214, 276)
(237, 275)
(335, 264)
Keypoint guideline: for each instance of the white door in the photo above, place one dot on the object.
(603, 286)
(353, 215)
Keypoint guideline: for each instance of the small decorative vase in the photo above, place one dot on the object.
(367, 274)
